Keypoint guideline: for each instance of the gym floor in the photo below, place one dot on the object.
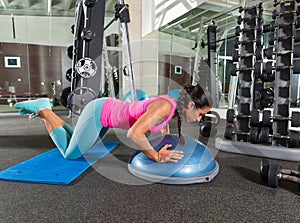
(237, 194)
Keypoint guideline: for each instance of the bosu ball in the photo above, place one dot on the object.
(141, 95)
(197, 166)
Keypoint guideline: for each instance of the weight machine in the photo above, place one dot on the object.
(87, 54)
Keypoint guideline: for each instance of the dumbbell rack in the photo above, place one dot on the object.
(272, 130)
(285, 27)
(248, 55)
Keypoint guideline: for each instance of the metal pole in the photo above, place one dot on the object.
(125, 37)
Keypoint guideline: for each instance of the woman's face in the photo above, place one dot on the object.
(192, 114)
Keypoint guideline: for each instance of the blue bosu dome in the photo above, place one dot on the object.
(197, 166)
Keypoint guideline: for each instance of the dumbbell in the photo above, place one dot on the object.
(273, 25)
(296, 37)
(293, 137)
(259, 6)
(269, 52)
(272, 174)
(275, 13)
(238, 29)
(264, 77)
(267, 117)
(254, 116)
(236, 55)
(249, 18)
(296, 67)
(208, 124)
(236, 42)
(266, 98)
(257, 69)
(253, 133)
(275, 2)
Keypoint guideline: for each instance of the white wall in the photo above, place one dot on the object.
(41, 30)
(175, 45)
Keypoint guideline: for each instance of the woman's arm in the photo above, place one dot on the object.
(166, 130)
(155, 114)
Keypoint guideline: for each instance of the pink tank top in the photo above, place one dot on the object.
(123, 114)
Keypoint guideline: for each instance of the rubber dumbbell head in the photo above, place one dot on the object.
(228, 134)
(208, 124)
(266, 98)
(230, 115)
(295, 119)
(264, 169)
(254, 117)
(296, 66)
(274, 175)
(252, 134)
(264, 135)
(294, 138)
(266, 118)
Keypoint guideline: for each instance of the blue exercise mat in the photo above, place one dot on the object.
(51, 168)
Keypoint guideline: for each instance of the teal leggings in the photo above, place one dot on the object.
(88, 131)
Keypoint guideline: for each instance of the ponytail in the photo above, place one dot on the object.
(196, 94)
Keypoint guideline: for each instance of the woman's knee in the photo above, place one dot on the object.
(72, 154)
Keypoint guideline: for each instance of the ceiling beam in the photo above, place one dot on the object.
(4, 3)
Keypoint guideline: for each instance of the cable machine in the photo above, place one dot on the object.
(87, 52)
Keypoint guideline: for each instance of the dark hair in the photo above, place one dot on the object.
(196, 94)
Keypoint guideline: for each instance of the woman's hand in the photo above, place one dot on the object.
(165, 155)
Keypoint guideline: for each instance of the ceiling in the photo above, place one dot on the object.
(225, 17)
(64, 8)
(186, 26)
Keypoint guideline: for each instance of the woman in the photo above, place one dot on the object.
(138, 118)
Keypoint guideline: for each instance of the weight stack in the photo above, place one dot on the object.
(86, 54)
